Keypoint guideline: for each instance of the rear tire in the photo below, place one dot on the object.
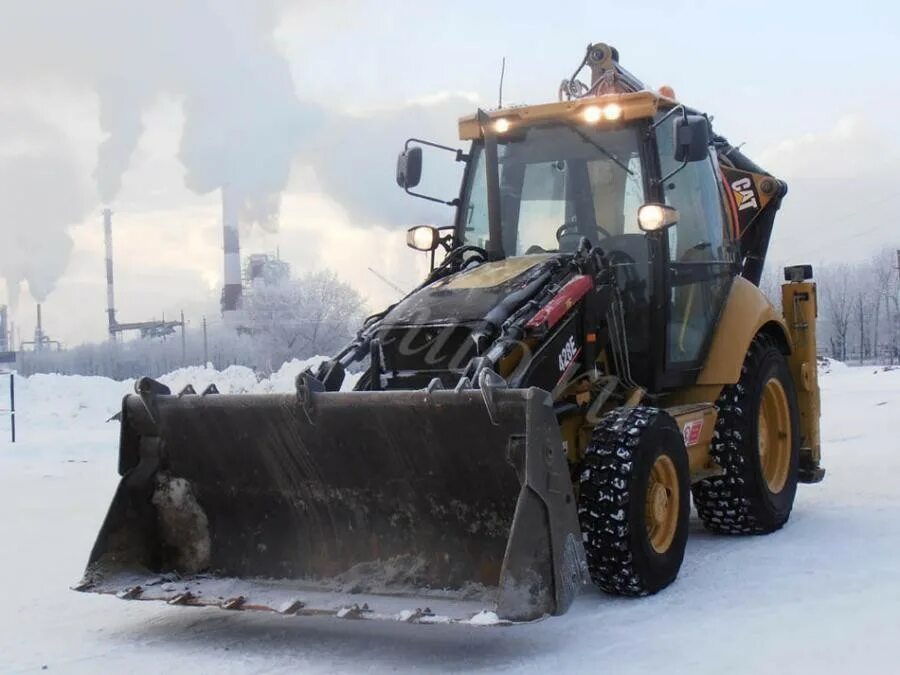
(757, 444)
(633, 501)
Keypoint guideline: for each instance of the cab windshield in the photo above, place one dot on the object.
(557, 184)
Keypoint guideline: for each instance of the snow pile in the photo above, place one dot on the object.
(71, 411)
(283, 379)
(242, 380)
(485, 618)
(828, 365)
(232, 380)
(56, 401)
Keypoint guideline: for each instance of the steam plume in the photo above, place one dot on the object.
(219, 58)
(40, 197)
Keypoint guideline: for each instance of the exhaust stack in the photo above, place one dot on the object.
(231, 291)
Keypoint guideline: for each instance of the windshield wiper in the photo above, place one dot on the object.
(599, 147)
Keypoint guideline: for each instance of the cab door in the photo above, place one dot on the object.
(701, 260)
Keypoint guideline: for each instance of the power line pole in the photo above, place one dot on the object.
(895, 352)
(205, 353)
(183, 346)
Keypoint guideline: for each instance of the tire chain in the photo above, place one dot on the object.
(604, 482)
(721, 501)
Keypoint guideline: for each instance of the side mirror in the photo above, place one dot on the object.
(409, 167)
(691, 134)
(423, 238)
(656, 217)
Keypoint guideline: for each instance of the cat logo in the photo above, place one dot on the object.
(744, 194)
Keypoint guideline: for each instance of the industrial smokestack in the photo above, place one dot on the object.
(39, 330)
(110, 297)
(231, 291)
(4, 330)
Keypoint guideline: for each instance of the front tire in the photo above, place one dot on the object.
(633, 501)
(757, 444)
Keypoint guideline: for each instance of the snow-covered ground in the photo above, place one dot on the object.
(822, 595)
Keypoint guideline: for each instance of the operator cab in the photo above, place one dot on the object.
(585, 169)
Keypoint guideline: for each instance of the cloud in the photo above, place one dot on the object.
(353, 158)
(851, 146)
(841, 192)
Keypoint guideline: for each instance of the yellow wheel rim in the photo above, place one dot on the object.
(661, 513)
(774, 435)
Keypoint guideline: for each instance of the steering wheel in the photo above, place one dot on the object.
(459, 250)
(565, 228)
(456, 254)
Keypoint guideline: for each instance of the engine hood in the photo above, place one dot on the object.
(468, 296)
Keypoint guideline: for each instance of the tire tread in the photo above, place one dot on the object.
(725, 503)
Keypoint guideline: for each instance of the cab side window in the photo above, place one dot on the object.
(694, 191)
(700, 253)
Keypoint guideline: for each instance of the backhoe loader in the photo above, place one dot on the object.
(589, 352)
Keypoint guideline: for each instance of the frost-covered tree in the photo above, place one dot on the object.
(770, 283)
(836, 293)
(886, 289)
(305, 317)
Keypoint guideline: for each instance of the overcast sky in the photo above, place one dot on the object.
(128, 102)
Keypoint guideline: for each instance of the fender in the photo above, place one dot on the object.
(746, 313)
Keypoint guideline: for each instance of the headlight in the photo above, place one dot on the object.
(653, 217)
(594, 113)
(501, 126)
(612, 111)
(422, 238)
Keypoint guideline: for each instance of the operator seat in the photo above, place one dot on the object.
(688, 326)
(630, 257)
(631, 260)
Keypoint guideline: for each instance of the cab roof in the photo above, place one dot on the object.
(634, 105)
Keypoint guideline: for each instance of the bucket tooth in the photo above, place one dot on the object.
(353, 611)
(292, 607)
(182, 599)
(130, 593)
(417, 615)
(234, 603)
(149, 386)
